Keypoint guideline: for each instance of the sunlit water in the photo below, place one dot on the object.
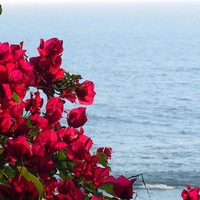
(145, 62)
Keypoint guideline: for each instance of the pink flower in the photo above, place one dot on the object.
(68, 191)
(4, 52)
(123, 188)
(86, 93)
(34, 104)
(19, 189)
(77, 117)
(50, 47)
(54, 109)
(17, 148)
(50, 141)
(191, 193)
(5, 121)
(106, 150)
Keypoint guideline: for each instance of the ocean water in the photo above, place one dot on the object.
(144, 59)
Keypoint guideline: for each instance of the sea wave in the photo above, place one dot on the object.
(158, 186)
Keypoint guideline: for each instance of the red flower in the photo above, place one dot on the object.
(123, 188)
(34, 104)
(85, 93)
(16, 52)
(49, 140)
(47, 65)
(5, 121)
(69, 134)
(39, 121)
(68, 191)
(191, 193)
(69, 94)
(54, 109)
(106, 150)
(19, 189)
(43, 167)
(51, 47)
(50, 187)
(17, 148)
(38, 151)
(77, 152)
(96, 198)
(99, 174)
(4, 52)
(5, 93)
(85, 140)
(77, 117)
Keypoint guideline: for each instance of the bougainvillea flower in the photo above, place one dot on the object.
(77, 117)
(5, 121)
(68, 190)
(4, 52)
(38, 151)
(50, 187)
(85, 93)
(99, 174)
(17, 52)
(39, 121)
(96, 198)
(123, 188)
(54, 110)
(43, 167)
(68, 134)
(17, 148)
(19, 189)
(16, 77)
(5, 93)
(27, 72)
(35, 103)
(77, 152)
(85, 140)
(50, 47)
(191, 193)
(106, 150)
(3, 74)
(50, 141)
(20, 91)
(85, 168)
(69, 94)
(20, 127)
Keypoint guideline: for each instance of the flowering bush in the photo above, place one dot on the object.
(41, 158)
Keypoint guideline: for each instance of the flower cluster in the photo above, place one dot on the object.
(191, 193)
(41, 158)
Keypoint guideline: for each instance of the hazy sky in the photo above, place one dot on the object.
(47, 1)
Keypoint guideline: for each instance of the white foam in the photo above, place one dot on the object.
(158, 186)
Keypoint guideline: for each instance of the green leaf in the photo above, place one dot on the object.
(108, 187)
(0, 9)
(15, 97)
(61, 155)
(86, 197)
(10, 173)
(1, 149)
(102, 159)
(70, 164)
(31, 178)
(1, 172)
(76, 76)
(28, 122)
(63, 174)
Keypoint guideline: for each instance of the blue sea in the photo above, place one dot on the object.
(144, 59)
